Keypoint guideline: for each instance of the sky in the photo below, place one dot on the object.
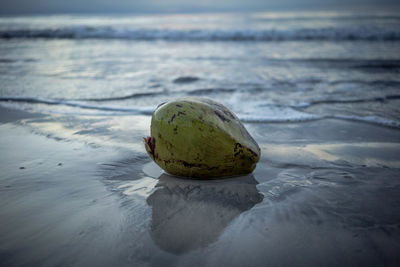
(179, 6)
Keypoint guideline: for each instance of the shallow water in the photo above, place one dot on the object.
(318, 92)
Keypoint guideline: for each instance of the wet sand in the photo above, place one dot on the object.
(80, 191)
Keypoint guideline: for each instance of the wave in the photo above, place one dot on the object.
(375, 120)
(327, 16)
(208, 91)
(83, 32)
(359, 64)
(256, 114)
(125, 97)
(368, 119)
(34, 100)
(386, 83)
(345, 101)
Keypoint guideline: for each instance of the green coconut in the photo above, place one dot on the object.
(197, 137)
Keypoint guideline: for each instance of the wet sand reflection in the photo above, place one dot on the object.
(190, 214)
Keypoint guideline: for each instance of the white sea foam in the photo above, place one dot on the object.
(369, 119)
(254, 112)
(80, 104)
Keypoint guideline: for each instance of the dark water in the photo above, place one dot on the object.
(318, 91)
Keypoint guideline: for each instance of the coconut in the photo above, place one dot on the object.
(200, 138)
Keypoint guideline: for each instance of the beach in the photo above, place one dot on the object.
(77, 187)
(68, 201)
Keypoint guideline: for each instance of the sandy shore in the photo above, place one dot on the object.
(80, 191)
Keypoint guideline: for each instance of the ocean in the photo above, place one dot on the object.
(295, 66)
(319, 91)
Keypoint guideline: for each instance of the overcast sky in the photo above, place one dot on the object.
(175, 6)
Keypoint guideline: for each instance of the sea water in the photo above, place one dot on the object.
(288, 66)
(319, 91)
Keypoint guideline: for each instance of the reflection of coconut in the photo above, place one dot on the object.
(188, 214)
